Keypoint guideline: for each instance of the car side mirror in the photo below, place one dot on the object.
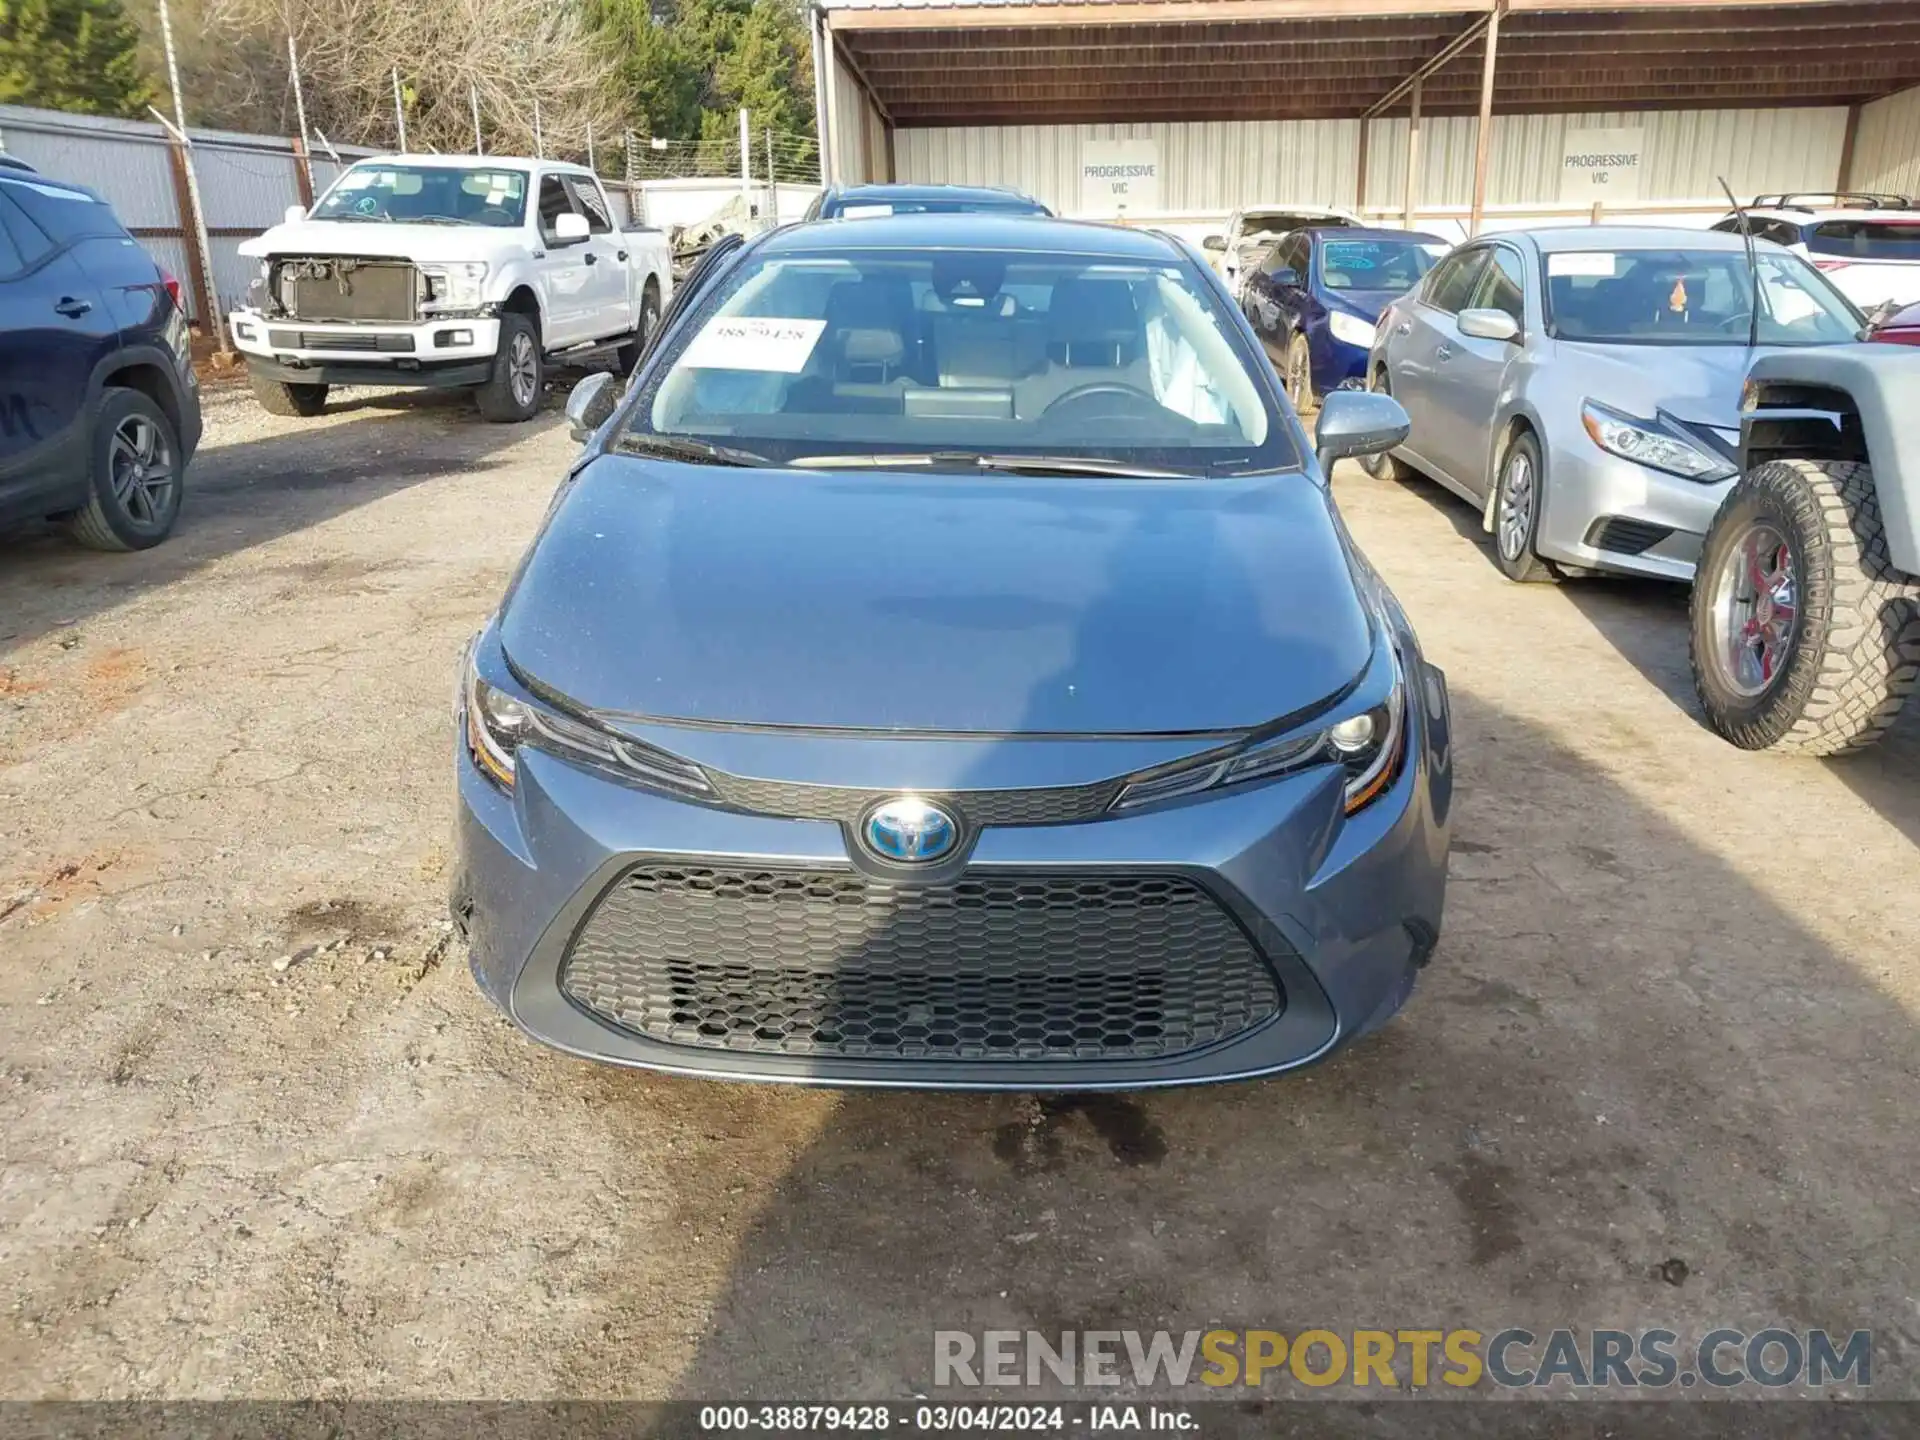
(591, 404)
(295, 214)
(1488, 325)
(1285, 277)
(570, 228)
(1214, 242)
(1357, 422)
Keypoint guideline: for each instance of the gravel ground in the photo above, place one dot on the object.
(260, 1135)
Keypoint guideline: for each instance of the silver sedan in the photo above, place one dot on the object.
(1581, 385)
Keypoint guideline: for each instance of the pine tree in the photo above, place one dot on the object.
(77, 55)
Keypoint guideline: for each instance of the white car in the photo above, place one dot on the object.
(448, 271)
(1868, 245)
(1250, 230)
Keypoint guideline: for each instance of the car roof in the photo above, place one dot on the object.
(1622, 237)
(891, 191)
(973, 230)
(1794, 215)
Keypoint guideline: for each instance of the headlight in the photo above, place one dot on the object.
(455, 286)
(1647, 442)
(1368, 743)
(1350, 328)
(498, 725)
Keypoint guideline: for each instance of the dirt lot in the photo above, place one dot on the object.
(259, 1134)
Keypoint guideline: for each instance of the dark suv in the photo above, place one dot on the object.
(99, 409)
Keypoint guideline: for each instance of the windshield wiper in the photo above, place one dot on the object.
(437, 220)
(1009, 464)
(679, 447)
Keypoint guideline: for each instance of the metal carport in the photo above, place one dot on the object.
(1070, 62)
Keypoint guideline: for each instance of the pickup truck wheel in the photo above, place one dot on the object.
(277, 398)
(628, 356)
(1383, 466)
(512, 392)
(1805, 639)
(136, 476)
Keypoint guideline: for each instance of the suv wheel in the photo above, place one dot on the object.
(1805, 639)
(136, 475)
(512, 391)
(277, 398)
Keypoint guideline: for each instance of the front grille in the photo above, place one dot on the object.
(993, 967)
(1626, 537)
(323, 287)
(1051, 805)
(324, 340)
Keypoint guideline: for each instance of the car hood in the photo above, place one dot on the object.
(1367, 304)
(1696, 383)
(990, 603)
(429, 243)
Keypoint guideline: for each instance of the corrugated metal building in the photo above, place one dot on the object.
(1312, 101)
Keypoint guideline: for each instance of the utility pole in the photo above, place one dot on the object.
(212, 319)
(473, 98)
(539, 145)
(590, 165)
(746, 164)
(300, 110)
(399, 110)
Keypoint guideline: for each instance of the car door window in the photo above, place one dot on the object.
(555, 200)
(12, 260)
(591, 203)
(1453, 280)
(1503, 286)
(28, 243)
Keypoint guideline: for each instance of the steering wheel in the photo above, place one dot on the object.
(1733, 323)
(1099, 390)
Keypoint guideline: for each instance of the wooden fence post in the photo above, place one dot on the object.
(207, 305)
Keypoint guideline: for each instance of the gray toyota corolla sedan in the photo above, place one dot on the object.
(1581, 386)
(944, 666)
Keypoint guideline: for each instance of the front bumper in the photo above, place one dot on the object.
(438, 352)
(1607, 513)
(1335, 362)
(1344, 910)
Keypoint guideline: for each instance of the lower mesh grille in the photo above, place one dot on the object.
(987, 968)
(1626, 537)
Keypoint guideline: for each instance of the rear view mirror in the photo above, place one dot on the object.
(570, 228)
(1488, 325)
(1358, 422)
(591, 404)
(1214, 242)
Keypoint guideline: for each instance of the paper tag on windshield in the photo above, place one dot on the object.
(1581, 262)
(864, 212)
(754, 342)
(355, 180)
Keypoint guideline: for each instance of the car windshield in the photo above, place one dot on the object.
(948, 355)
(1377, 264)
(427, 194)
(1692, 297)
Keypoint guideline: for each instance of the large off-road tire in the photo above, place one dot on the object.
(136, 473)
(628, 356)
(1385, 467)
(1805, 639)
(512, 392)
(278, 398)
(1519, 495)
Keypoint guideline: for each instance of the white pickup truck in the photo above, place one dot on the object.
(449, 271)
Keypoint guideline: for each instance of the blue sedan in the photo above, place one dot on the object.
(945, 667)
(1317, 293)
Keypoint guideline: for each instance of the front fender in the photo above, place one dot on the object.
(517, 272)
(1883, 384)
